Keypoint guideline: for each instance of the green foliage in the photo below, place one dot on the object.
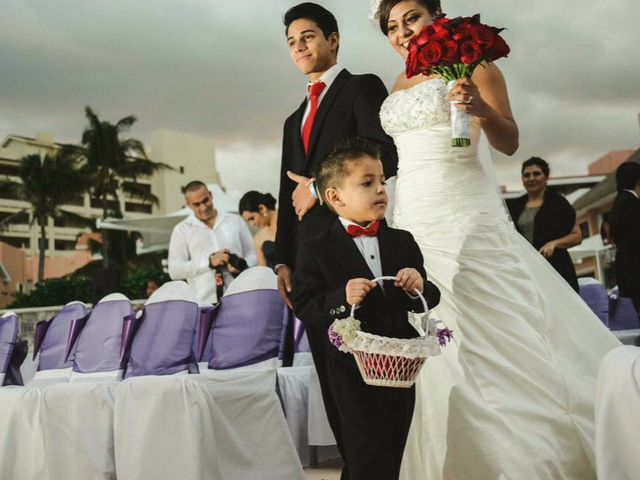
(135, 285)
(56, 291)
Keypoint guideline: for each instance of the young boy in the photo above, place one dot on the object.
(333, 272)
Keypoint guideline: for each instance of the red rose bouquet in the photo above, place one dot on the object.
(453, 49)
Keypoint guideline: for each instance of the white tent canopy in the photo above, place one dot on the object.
(156, 230)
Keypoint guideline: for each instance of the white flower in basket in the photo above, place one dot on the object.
(384, 361)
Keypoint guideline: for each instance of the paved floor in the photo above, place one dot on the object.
(325, 471)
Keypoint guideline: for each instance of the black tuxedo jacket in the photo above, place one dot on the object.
(325, 264)
(625, 231)
(349, 108)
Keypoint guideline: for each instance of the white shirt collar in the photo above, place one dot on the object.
(632, 192)
(327, 77)
(193, 220)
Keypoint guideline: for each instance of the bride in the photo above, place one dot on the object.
(513, 397)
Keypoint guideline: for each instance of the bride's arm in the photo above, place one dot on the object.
(490, 103)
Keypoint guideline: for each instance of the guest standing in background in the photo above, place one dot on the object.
(625, 230)
(546, 219)
(259, 209)
(209, 248)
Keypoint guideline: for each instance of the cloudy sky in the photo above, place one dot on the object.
(221, 69)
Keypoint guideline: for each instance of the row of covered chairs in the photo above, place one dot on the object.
(616, 312)
(92, 425)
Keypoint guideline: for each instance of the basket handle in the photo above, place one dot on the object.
(418, 292)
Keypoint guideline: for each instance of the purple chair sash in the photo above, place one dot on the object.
(595, 296)
(99, 346)
(38, 337)
(207, 318)
(77, 325)
(247, 329)
(53, 347)
(623, 314)
(301, 342)
(163, 343)
(8, 338)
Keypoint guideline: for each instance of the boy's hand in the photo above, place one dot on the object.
(357, 289)
(410, 280)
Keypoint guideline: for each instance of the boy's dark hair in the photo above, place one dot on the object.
(538, 162)
(332, 171)
(314, 12)
(627, 176)
(384, 9)
(193, 186)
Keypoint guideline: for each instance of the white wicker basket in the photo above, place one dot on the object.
(392, 362)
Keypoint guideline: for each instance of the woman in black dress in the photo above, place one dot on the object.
(546, 219)
(259, 209)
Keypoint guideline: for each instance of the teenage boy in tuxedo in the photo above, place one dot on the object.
(333, 272)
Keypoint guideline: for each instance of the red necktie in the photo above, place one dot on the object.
(315, 89)
(358, 231)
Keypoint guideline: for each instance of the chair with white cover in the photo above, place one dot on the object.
(163, 340)
(224, 424)
(8, 337)
(52, 341)
(22, 451)
(595, 296)
(77, 416)
(617, 415)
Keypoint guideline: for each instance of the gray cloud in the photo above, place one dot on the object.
(221, 69)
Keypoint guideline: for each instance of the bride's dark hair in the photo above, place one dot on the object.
(384, 9)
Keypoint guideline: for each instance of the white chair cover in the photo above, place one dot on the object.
(254, 278)
(77, 417)
(617, 415)
(192, 427)
(22, 448)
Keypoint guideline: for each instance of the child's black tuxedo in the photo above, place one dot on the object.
(370, 423)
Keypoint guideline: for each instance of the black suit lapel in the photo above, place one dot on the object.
(298, 153)
(388, 260)
(347, 254)
(349, 257)
(337, 85)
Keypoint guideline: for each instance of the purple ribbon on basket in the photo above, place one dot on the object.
(444, 336)
(334, 337)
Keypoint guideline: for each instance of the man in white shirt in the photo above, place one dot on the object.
(208, 242)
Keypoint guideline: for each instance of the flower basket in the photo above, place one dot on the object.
(384, 361)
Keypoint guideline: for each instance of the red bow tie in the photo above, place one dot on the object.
(358, 231)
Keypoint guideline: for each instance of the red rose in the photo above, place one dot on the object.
(498, 50)
(424, 36)
(412, 61)
(440, 35)
(469, 53)
(431, 54)
(463, 32)
(450, 52)
(482, 35)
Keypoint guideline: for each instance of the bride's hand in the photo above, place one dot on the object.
(464, 94)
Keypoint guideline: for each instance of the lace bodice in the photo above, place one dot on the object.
(420, 106)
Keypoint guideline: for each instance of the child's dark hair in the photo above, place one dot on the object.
(322, 17)
(251, 201)
(332, 171)
(538, 162)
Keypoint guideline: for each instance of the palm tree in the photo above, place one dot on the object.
(47, 183)
(115, 164)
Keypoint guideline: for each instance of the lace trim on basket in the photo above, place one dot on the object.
(405, 347)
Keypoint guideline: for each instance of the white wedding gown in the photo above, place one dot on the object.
(513, 396)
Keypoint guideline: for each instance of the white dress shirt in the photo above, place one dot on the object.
(632, 192)
(369, 248)
(192, 242)
(327, 78)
